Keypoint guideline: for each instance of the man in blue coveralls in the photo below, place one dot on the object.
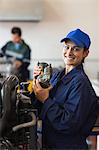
(68, 107)
(20, 51)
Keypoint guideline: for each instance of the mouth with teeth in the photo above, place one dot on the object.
(69, 58)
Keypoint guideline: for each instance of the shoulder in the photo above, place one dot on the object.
(26, 45)
(8, 43)
(82, 80)
(82, 77)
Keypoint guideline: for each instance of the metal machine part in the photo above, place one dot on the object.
(23, 88)
(5, 67)
(45, 75)
(26, 116)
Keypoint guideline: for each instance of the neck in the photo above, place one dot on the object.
(68, 68)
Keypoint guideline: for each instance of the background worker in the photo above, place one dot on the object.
(20, 53)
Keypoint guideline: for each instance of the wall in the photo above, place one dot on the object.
(14, 10)
(60, 16)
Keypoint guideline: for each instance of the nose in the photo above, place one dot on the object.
(69, 52)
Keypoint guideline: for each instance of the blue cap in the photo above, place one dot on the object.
(79, 37)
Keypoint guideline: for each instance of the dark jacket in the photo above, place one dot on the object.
(20, 52)
(69, 113)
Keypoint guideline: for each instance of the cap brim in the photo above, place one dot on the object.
(63, 40)
(78, 43)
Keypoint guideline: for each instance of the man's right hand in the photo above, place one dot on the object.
(17, 64)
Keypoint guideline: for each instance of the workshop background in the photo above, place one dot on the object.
(48, 23)
(57, 17)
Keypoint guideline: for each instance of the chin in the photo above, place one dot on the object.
(69, 63)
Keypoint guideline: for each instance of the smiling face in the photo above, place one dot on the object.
(72, 54)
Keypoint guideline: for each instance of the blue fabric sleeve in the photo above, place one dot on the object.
(72, 115)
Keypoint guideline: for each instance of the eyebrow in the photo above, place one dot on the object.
(73, 46)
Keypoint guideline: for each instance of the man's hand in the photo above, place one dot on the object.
(40, 93)
(17, 64)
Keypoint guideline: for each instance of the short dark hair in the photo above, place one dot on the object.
(16, 30)
(85, 49)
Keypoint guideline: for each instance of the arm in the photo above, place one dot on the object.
(27, 57)
(3, 50)
(73, 115)
(25, 61)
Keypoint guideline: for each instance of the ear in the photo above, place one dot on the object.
(86, 52)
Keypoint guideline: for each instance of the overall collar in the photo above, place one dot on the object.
(66, 78)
